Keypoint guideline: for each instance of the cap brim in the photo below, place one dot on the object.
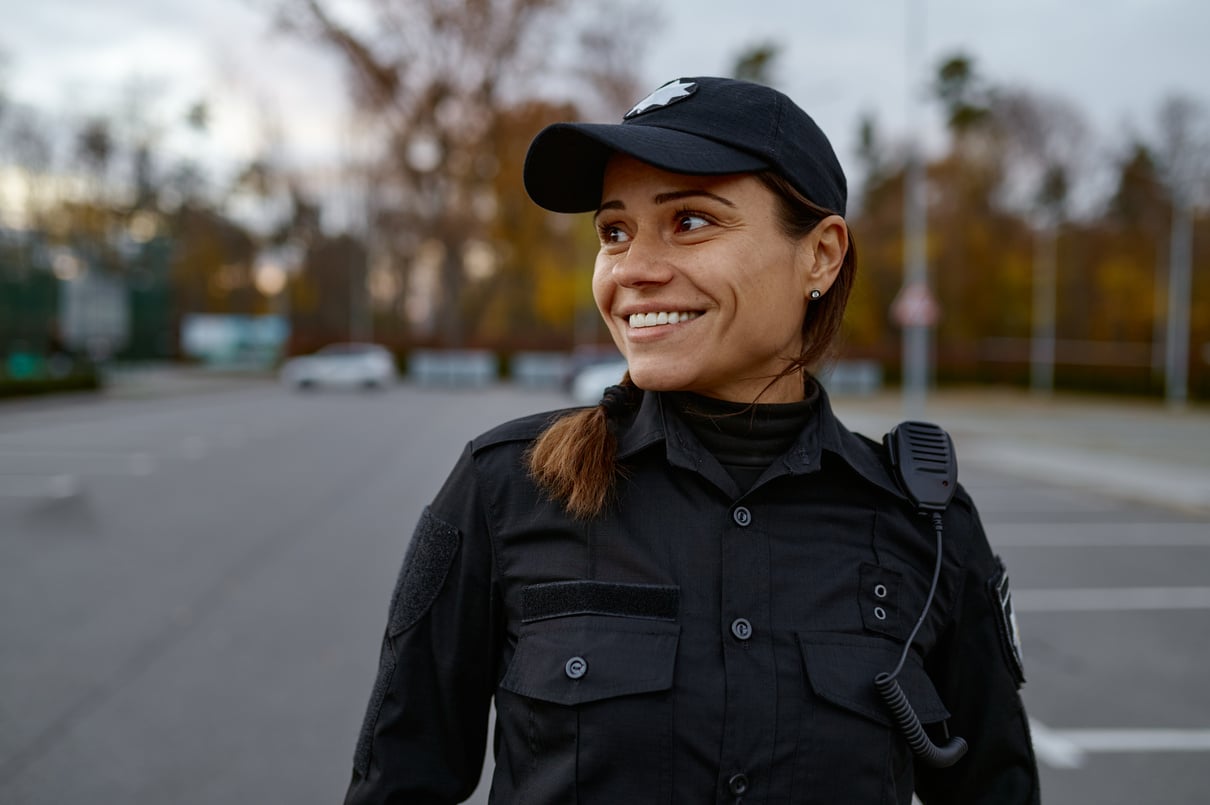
(566, 161)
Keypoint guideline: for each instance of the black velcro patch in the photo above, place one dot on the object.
(428, 560)
(1006, 622)
(559, 598)
(365, 740)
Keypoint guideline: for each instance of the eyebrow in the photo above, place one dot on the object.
(664, 198)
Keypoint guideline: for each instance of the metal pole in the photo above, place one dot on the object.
(1159, 316)
(1042, 344)
(916, 338)
(1180, 261)
(369, 245)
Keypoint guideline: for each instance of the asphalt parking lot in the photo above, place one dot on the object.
(194, 574)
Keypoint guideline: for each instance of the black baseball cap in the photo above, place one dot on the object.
(702, 126)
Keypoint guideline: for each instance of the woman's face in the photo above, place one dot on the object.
(700, 287)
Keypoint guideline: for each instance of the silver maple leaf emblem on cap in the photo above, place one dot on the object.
(672, 91)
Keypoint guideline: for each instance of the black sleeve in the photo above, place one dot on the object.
(976, 668)
(425, 728)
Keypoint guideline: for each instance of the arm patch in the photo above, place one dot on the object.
(1006, 622)
(365, 739)
(428, 561)
(425, 566)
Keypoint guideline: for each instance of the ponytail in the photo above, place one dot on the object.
(574, 460)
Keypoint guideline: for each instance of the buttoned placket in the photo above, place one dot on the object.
(751, 703)
(749, 667)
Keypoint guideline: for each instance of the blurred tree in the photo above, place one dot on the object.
(1139, 197)
(95, 147)
(606, 61)
(436, 78)
(542, 288)
(186, 183)
(3, 85)
(93, 213)
(871, 153)
(876, 218)
(139, 135)
(1135, 218)
(146, 186)
(1045, 141)
(962, 93)
(256, 177)
(26, 146)
(322, 301)
(93, 195)
(197, 116)
(756, 63)
(212, 265)
(972, 244)
(319, 302)
(975, 255)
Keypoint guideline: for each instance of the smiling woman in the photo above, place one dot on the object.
(721, 289)
(696, 590)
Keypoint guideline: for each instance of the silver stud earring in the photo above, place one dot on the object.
(816, 293)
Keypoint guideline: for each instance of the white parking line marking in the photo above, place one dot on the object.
(1168, 535)
(1111, 599)
(1053, 749)
(1066, 749)
(1132, 478)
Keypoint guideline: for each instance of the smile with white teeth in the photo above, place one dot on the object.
(663, 317)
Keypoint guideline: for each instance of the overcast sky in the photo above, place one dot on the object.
(1114, 59)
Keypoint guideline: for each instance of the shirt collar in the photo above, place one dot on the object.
(858, 452)
(656, 422)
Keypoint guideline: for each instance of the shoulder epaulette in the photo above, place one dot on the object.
(523, 429)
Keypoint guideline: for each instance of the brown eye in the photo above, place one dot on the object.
(688, 221)
(612, 234)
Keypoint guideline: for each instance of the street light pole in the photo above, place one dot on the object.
(916, 334)
(1042, 344)
(1180, 260)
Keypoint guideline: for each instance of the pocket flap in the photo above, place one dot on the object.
(841, 669)
(587, 658)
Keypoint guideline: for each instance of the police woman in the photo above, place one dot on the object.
(685, 594)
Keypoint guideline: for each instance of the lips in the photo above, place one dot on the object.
(656, 318)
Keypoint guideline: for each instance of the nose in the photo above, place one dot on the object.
(645, 262)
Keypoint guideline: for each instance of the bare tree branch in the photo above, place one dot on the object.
(437, 77)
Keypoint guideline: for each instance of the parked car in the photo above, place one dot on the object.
(342, 364)
(590, 382)
(586, 356)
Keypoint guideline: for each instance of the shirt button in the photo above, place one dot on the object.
(738, 784)
(576, 667)
(741, 628)
(742, 516)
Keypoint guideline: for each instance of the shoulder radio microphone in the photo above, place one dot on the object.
(924, 461)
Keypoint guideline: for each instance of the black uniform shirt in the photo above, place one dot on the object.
(695, 643)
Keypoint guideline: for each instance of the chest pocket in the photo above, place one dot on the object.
(852, 738)
(582, 659)
(587, 699)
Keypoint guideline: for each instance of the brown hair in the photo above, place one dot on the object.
(574, 460)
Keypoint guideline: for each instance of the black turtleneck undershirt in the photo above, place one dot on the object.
(745, 438)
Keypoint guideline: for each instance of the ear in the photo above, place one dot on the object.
(824, 251)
